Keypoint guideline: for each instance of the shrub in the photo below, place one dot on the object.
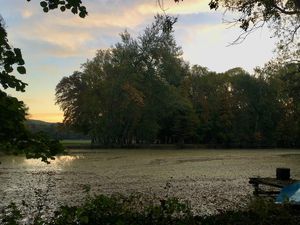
(136, 210)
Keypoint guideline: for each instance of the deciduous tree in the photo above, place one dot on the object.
(14, 137)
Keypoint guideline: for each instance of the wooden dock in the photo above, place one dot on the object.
(269, 187)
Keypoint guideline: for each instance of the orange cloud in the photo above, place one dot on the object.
(71, 35)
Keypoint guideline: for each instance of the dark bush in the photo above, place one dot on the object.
(134, 210)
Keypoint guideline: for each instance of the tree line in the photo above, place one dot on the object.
(281, 16)
(141, 91)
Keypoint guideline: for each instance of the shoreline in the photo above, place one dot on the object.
(172, 147)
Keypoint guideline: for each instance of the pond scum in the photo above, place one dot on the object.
(135, 209)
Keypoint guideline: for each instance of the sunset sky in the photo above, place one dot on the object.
(56, 44)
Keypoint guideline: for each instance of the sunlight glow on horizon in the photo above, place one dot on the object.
(59, 162)
(47, 117)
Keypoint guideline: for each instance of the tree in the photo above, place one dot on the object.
(235, 108)
(14, 137)
(130, 86)
(180, 122)
(256, 109)
(211, 100)
(9, 57)
(286, 82)
(12, 115)
(141, 91)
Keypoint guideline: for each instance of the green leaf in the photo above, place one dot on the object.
(74, 10)
(45, 9)
(18, 52)
(82, 8)
(21, 62)
(8, 68)
(18, 57)
(43, 4)
(21, 69)
(9, 54)
(82, 14)
(52, 6)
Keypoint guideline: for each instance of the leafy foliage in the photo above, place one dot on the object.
(12, 114)
(286, 80)
(283, 17)
(9, 57)
(75, 6)
(237, 109)
(14, 137)
(141, 91)
(129, 87)
(132, 210)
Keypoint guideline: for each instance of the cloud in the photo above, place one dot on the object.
(26, 13)
(54, 39)
(210, 46)
(196, 19)
(64, 35)
(208, 33)
(47, 48)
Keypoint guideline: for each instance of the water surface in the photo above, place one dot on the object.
(212, 180)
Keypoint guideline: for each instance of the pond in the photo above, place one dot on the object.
(212, 180)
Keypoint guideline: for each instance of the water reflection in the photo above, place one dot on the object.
(57, 163)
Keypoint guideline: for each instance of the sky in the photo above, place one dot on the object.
(55, 44)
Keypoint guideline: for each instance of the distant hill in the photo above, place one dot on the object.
(39, 123)
(54, 130)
